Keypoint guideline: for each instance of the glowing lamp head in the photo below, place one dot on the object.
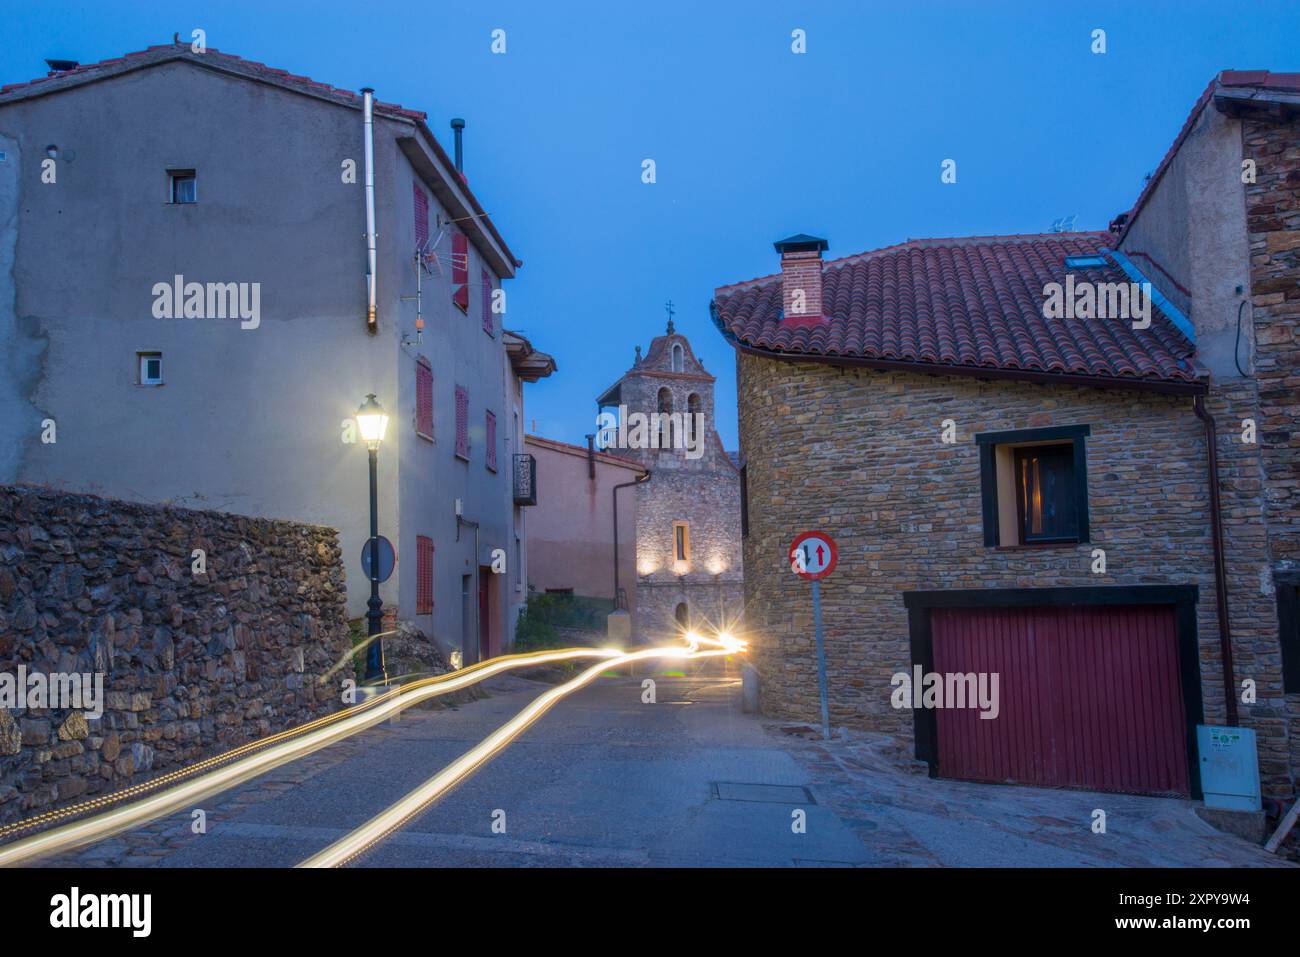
(372, 421)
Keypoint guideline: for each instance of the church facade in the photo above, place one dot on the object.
(689, 572)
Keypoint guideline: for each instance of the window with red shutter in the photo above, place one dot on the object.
(488, 325)
(423, 399)
(462, 422)
(490, 457)
(460, 271)
(421, 217)
(423, 575)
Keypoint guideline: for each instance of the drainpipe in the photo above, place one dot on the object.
(368, 108)
(639, 480)
(591, 457)
(1220, 576)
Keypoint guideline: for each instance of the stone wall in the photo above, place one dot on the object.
(193, 664)
(1273, 224)
(859, 455)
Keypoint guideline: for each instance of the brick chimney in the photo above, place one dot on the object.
(801, 280)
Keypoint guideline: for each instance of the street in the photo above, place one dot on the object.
(606, 780)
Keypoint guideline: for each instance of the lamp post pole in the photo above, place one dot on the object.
(375, 615)
(372, 421)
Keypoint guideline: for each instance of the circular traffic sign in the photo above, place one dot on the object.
(387, 558)
(813, 555)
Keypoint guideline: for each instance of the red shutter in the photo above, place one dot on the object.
(423, 575)
(460, 271)
(462, 422)
(488, 326)
(421, 217)
(423, 399)
(491, 457)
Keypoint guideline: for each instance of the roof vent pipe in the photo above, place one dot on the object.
(368, 109)
(458, 126)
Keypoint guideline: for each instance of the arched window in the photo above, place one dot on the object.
(683, 615)
(694, 407)
(679, 357)
(666, 408)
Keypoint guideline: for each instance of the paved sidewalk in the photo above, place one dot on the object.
(606, 780)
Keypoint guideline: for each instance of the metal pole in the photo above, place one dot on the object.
(375, 616)
(821, 658)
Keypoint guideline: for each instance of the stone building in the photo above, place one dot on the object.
(688, 562)
(1102, 511)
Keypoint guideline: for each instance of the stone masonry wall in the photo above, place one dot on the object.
(1273, 225)
(193, 664)
(858, 454)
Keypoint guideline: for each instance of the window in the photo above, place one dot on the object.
(666, 408)
(490, 452)
(423, 575)
(421, 203)
(486, 279)
(1034, 486)
(423, 399)
(679, 357)
(184, 186)
(694, 409)
(681, 542)
(460, 271)
(462, 422)
(1288, 620)
(149, 368)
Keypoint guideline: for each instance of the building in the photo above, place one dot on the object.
(214, 262)
(586, 508)
(689, 566)
(1104, 512)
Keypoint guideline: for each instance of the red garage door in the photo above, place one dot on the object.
(1090, 697)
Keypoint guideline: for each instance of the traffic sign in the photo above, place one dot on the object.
(813, 555)
(387, 559)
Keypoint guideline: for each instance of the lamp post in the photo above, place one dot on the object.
(372, 421)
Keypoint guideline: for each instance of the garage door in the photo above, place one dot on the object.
(1090, 697)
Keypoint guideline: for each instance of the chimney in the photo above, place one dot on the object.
(801, 280)
(458, 125)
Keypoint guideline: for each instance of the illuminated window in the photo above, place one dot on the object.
(1034, 485)
(681, 542)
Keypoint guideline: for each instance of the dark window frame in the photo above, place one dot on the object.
(988, 443)
(176, 176)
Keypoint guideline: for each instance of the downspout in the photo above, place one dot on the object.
(368, 109)
(1220, 576)
(639, 480)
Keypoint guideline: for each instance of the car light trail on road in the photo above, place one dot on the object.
(266, 755)
(398, 815)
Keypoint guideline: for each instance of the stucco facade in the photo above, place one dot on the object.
(253, 420)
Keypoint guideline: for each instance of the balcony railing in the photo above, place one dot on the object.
(525, 471)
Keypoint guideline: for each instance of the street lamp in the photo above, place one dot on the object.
(372, 420)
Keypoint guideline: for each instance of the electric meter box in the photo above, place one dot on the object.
(1229, 767)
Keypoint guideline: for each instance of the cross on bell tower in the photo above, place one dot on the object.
(668, 306)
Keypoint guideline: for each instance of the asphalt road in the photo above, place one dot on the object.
(603, 779)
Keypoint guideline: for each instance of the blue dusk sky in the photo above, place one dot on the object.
(751, 141)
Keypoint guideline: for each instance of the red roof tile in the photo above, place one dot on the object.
(971, 304)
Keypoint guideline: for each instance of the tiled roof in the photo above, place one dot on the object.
(969, 304)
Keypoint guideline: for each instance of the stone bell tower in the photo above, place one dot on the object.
(689, 571)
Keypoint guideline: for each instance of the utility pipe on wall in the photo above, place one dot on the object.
(637, 481)
(1220, 576)
(368, 108)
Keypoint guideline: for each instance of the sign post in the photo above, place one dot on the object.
(813, 556)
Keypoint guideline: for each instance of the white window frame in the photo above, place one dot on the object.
(141, 361)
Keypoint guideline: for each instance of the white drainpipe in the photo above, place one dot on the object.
(368, 96)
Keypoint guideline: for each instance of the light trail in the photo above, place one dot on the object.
(267, 754)
(398, 815)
